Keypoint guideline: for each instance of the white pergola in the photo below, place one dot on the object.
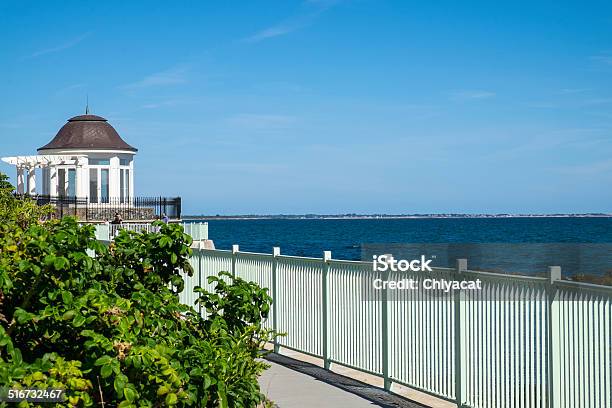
(31, 163)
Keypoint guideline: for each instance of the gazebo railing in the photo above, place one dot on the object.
(104, 209)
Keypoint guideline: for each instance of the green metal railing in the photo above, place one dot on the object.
(520, 341)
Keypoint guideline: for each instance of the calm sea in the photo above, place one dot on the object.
(563, 237)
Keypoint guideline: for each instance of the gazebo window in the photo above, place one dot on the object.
(72, 182)
(46, 181)
(93, 185)
(61, 182)
(104, 193)
(124, 179)
(99, 162)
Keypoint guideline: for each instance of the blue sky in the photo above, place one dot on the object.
(327, 106)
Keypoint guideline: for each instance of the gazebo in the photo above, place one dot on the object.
(88, 165)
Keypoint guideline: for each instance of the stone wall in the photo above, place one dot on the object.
(105, 214)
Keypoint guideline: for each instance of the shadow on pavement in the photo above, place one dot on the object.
(373, 394)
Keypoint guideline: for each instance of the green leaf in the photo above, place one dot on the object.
(130, 394)
(171, 399)
(124, 325)
(106, 371)
(78, 320)
(16, 355)
(119, 384)
(165, 241)
(223, 403)
(49, 260)
(88, 263)
(104, 360)
(66, 296)
(68, 315)
(164, 389)
(60, 263)
(206, 381)
(22, 316)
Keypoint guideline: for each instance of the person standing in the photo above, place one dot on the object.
(117, 219)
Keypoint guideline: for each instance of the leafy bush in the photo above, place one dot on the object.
(22, 212)
(110, 329)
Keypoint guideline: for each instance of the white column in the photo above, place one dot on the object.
(114, 180)
(20, 179)
(78, 190)
(131, 192)
(32, 181)
(83, 177)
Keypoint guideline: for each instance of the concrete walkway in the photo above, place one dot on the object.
(291, 383)
(291, 389)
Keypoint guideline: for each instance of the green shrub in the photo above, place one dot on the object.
(110, 328)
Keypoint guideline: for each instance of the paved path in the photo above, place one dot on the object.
(305, 385)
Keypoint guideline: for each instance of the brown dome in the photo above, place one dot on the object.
(87, 132)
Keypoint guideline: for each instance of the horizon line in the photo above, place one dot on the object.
(419, 215)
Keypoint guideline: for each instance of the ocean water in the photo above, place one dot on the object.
(570, 241)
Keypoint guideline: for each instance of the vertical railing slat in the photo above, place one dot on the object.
(459, 337)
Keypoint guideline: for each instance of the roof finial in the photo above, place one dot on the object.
(87, 106)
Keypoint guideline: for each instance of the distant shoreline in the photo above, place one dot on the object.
(388, 216)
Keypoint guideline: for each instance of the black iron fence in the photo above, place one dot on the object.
(132, 208)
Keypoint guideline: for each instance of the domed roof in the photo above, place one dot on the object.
(88, 132)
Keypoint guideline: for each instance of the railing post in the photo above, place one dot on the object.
(385, 328)
(324, 311)
(275, 255)
(458, 299)
(200, 260)
(554, 351)
(103, 232)
(235, 250)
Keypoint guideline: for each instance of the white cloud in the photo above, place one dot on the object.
(293, 24)
(165, 103)
(570, 91)
(470, 95)
(69, 44)
(596, 101)
(174, 76)
(69, 88)
(604, 58)
(252, 167)
(271, 32)
(590, 169)
(10, 125)
(261, 121)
